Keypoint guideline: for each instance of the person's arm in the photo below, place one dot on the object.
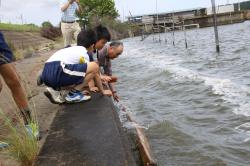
(114, 92)
(100, 87)
(66, 5)
(79, 9)
(108, 72)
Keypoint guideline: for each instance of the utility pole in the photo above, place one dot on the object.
(215, 27)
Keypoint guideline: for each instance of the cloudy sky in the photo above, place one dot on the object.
(37, 11)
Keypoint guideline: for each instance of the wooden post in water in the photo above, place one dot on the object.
(143, 144)
(215, 27)
(158, 26)
(173, 26)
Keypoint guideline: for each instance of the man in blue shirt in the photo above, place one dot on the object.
(70, 28)
(11, 78)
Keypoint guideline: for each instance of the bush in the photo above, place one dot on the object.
(51, 33)
(117, 29)
(47, 24)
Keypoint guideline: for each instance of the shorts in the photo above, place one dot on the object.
(58, 74)
(6, 55)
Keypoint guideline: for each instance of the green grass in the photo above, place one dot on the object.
(23, 147)
(19, 27)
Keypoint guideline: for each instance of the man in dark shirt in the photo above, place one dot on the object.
(104, 56)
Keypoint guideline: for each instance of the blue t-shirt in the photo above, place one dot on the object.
(6, 55)
(69, 15)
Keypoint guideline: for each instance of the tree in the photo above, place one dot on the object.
(97, 8)
(47, 24)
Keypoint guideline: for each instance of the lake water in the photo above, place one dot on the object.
(194, 102)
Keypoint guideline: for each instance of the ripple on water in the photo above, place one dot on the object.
(194, 101)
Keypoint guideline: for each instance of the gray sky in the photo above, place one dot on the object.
(35, 11)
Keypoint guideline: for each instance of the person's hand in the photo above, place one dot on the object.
(116, 97)
(107, 93)
(106, 78)
(94, 89)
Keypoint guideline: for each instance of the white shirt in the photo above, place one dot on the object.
(71, 55)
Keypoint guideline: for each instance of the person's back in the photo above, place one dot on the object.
(71, 55)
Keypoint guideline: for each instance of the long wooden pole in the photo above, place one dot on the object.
(215, 26)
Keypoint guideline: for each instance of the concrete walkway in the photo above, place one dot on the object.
(88, 134)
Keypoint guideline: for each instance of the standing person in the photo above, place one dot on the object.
(69, 27)
(108, 53)
(11, 78)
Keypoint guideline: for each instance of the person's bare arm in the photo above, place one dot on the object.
(114, 92)
(79, 9)
(66, 5)
(100, 87)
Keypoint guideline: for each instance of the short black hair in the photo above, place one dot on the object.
(86, 38)
(102, 33)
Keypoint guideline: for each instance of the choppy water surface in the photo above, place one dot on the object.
(195, 102)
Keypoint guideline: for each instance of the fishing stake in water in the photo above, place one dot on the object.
(185, 34)
(173, 32)
(166, 40)
(215, 26)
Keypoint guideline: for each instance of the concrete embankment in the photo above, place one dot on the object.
(223, 19)
(87, 134)
(79, 134)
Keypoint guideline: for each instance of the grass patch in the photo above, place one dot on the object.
(22, 147)
(19, 27)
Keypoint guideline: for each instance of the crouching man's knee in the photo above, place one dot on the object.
(93, 67)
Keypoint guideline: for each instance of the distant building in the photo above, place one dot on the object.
(221, 9)
(167, 17)
(176, 16)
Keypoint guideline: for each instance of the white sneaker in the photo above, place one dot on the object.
(55, 97)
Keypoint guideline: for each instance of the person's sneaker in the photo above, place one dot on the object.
(39, 81)
(33, 130)
(76, 97)
(55, 97)
(3, 145)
